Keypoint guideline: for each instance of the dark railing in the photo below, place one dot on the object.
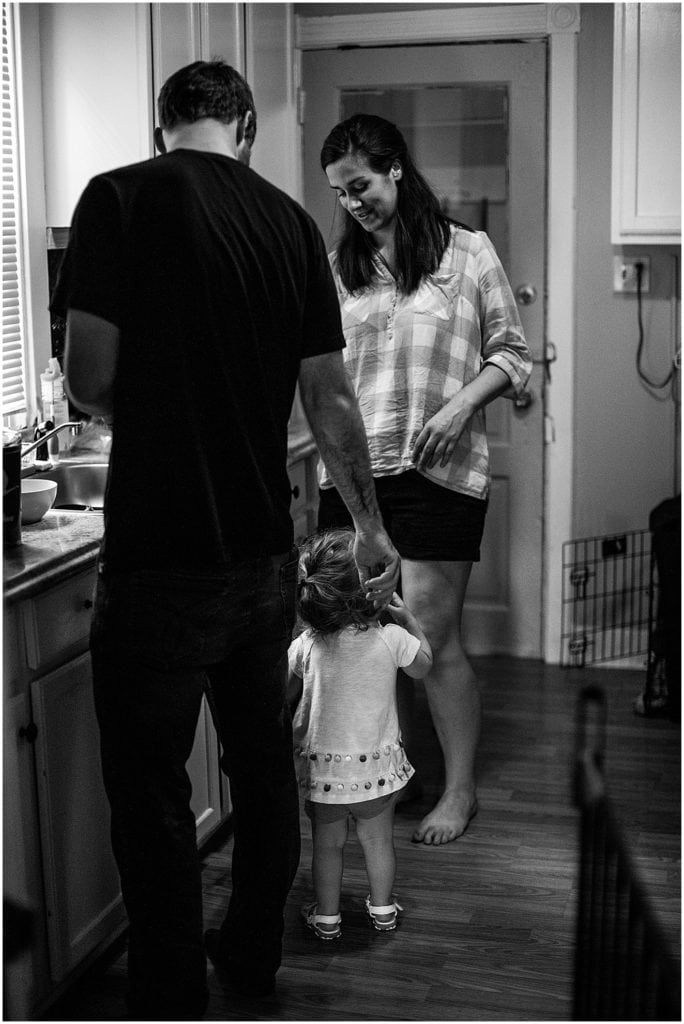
(623, 970)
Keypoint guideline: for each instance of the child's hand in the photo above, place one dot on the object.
(422, 663)
(398, 610)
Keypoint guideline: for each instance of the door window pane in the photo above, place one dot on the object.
(458, 138)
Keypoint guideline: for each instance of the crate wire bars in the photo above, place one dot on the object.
(608, 598)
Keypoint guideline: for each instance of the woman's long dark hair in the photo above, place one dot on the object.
(422, 232)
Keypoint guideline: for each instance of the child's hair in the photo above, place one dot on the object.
(330, 592)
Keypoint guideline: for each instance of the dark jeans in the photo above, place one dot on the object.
(157, 639)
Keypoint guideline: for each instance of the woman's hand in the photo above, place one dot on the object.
(436, 442)
(438, 438)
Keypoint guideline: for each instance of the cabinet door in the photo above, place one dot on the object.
(95, 70)
(183, 33)
(203, 768)
(82, 890)
(270, 55)
(646, 124)
(23, 974)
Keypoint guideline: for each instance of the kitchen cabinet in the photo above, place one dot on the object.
(100, 113)
(183, 33)
(27, 974)
(270, 71)
(646, 168)
(257, 40)
(304, 489)
(83, 902)
(57, 855)
(96, 95)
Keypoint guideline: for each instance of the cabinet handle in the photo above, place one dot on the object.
(295, 491)
(87, 603)
(29, 732)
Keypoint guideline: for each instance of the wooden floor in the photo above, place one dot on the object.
(488, 924)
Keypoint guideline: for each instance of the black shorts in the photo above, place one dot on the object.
(426, 522)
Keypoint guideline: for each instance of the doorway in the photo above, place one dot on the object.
(474, 116)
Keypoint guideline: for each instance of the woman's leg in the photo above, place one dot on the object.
(435, 592)
(327, 861)
(376, 836)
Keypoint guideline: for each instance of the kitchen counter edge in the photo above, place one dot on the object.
(65, 543)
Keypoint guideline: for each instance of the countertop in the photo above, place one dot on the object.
(61, 544)
(64, 543)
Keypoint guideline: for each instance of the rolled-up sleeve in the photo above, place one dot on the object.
(503, 339)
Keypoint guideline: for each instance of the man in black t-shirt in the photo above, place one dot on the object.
(197, 294)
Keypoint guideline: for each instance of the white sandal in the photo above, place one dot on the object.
(331, 922)
(390, 912)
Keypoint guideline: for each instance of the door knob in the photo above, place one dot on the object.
(526, 294)
(524, 400)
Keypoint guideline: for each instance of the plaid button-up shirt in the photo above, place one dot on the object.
(408, 355)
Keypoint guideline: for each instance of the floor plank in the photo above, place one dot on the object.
(488, 926)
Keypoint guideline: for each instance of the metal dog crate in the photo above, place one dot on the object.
(608, 598)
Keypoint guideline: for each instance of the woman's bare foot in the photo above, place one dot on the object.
(447, 820)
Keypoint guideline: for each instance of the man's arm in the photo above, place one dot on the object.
(335, 420)
(90, 358)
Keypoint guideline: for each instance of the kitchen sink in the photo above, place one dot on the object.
(80, 486)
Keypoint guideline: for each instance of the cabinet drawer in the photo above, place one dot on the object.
(59, 619)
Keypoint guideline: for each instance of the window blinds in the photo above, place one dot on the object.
(13, 321)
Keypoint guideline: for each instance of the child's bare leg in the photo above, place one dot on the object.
(376, 835)
(327, 862)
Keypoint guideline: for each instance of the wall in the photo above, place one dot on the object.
(624, 461)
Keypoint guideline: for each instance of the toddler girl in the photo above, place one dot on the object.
(348, 751)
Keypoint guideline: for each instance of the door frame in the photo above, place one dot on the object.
(559, 24)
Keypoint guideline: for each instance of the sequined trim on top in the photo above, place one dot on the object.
(348, 777)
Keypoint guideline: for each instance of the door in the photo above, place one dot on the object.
(474, 117)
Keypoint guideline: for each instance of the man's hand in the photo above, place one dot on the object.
(378, 563)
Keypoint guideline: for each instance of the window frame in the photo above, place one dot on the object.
(24, 23)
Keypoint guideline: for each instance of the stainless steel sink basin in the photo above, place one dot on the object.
(80, 486)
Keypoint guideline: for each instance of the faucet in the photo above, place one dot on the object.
(76, 427)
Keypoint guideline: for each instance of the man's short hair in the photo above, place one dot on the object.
(206, 89)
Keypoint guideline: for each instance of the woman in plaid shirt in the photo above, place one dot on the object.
(433, 335)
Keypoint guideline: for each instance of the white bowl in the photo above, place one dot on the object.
(37, 496)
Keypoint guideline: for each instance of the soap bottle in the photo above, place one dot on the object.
(55, 404)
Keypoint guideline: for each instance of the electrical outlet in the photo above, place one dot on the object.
(625, 273)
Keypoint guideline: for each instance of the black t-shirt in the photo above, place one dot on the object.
(219, 284)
